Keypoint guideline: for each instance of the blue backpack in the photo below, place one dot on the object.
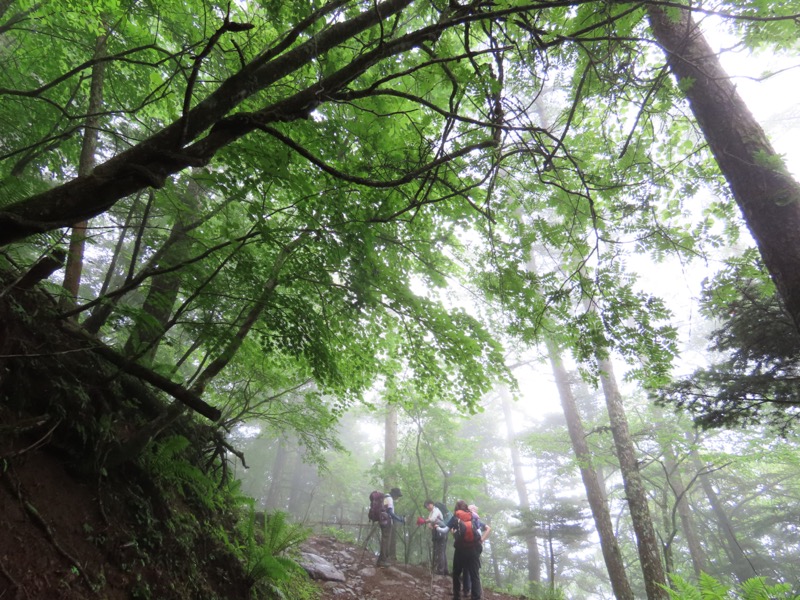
(446, 514)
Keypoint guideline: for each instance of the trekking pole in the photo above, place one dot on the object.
(366, 541)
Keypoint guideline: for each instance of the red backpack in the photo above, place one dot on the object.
(467, 531)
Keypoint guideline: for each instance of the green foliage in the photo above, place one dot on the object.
(339, 534)
(539, 591)
(753, 380)
(708, 588)
(168, 462)
(266, 540)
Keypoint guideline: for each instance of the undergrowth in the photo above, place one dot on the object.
(263, 545)
(708, 588)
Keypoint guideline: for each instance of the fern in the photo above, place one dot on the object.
(265, 551)
(709, 588)
(167, 463)
(757, 589)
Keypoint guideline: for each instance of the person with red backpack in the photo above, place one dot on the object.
(467, 533)
(466, 582)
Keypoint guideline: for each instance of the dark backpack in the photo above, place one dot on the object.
(446, 514)
(467, 530)
(377, 511)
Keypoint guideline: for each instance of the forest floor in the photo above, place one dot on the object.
(364, 581)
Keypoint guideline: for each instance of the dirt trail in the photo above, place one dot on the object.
(366, 582)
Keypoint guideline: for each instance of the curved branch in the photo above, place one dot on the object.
(374, 183)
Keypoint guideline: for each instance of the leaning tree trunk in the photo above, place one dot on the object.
(594, 490)
(646, 542)
(534, 560)
(767, 195)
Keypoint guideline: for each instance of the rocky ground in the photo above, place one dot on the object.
(346, 571)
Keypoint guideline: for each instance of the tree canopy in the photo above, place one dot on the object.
(296, 207)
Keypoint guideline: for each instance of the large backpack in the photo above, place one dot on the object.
(377, 511)
(446, 514)
(467, 530)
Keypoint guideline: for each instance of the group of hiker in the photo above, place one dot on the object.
(464, 523)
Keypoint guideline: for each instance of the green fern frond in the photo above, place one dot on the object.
(709, 588)
(280, 535)
(712, 589)
(757, 589)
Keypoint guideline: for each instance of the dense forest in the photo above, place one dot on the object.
(260, 258)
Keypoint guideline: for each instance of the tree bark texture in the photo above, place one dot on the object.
(767, 195)
(143, 341)
(646, 542)
(594, 491)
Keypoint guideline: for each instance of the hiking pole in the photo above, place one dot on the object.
(366, 541)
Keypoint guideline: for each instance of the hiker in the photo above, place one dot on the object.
(387, 527)
(466, 581)
(436, 524)
(467, 532)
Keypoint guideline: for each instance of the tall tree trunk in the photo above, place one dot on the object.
(88, 159)
(669, 528)
(552, 556)
(144, 338)
(275, 498)
(767, 195)
(696, 552)
(646, 542)
(594, 491)
(742, 567)
(389, 459)
(534, 560)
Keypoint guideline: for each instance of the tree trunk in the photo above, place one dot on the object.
(742, 568)
(646, 542)
(143, 341)
(696, 552)
(594, 491)
(275, 498)
(77, 242)
(767, 195)
(389, 459)
(534, 560)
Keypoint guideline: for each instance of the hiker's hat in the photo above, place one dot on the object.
(396, 493)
